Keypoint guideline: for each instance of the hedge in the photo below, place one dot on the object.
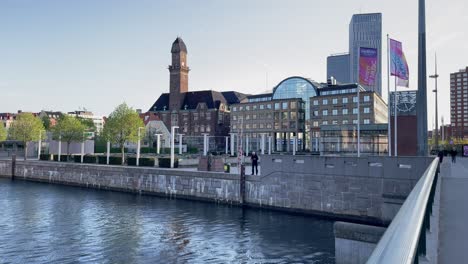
(166, 162)
(146, 162)
(113, 160)
(45, 157)
(63, 158)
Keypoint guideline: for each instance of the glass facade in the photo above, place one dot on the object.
(296, 87)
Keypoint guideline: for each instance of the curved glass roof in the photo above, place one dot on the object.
(297, 87)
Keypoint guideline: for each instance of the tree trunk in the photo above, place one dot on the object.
(122, 148)
(68, 149)
(25, 150)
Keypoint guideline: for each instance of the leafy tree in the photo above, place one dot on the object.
(26, 128)
(88, 123)
(70, 129)
(122, 126)
(46, 122)
(3, 133)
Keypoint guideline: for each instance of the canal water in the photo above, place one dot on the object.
(43, 223)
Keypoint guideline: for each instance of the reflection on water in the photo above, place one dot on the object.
(41, 223)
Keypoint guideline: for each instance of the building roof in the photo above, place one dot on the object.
(263, 95)
(233, 97)
(178, 46)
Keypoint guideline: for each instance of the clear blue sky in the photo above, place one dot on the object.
(61, 55)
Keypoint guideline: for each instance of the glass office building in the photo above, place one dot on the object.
(365, 30)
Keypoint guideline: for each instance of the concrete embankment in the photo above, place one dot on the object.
(366, 190)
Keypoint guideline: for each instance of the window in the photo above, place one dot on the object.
(293, 115)
(247, 126)
(202, 128)
(325, 112)
(195, 116)
(234, 108)
(247, 117)
(366, 110)
(293, 105)
(335, 112)
(234, 117)
(208, 129)
(315, 102)
(345, 111)
(366, 98)
(315, 124)
(208, 116)
(355, 111)
(262, 107)
(241, 108)
(355, 99)
(315, 113)
(277, 106)
(285, 105)
(366, 121)
(284, 115)
(334, 101)
(345, 100)
(247, 107)
(355, 121)
(268, 106)
(325, 122)
(254, 116)
(345, 122)
(325, 102)
(254, 107)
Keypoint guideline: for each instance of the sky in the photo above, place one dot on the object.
(95, 54)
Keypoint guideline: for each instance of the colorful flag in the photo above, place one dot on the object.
(398, 64)
(367, 66)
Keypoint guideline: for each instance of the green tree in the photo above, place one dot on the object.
(46, 122)
(69, 129)
(3, 133)
(88, 123)
(26, 128)
(122, 126)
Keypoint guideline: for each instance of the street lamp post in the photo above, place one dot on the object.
(158, 143)
(435, 76)
(138, 147)
(39, 145)
(172, 144)
(60, 147)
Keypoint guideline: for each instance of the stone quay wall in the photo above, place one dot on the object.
(366, 190)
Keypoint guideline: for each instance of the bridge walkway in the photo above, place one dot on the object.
(453, 232)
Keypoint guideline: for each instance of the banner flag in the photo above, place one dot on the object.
(367, 66)
(398, 65)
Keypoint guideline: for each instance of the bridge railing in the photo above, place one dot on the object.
(405, 239)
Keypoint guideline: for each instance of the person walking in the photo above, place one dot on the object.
(453, 153)
(254, 159)
(440, 155)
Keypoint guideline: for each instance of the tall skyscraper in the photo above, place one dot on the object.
(459, 103)
(338, 67)
(365, 30)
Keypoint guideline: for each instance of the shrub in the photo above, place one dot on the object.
(112, 160)
(45, 157)
(144, 162)
(63, 158)
(166, 162)
(89, 159)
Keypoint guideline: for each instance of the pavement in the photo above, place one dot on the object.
(453, 226)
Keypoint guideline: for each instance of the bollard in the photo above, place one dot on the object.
(13, 166)
(242, 184)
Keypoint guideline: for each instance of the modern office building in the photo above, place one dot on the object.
(338, 67)
(337, 105)
(459, 103)
(365, 30)
(195, 113)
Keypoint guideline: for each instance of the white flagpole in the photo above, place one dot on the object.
(389, 132)
(395, 98)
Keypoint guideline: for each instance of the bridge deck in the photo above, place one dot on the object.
(453, 238)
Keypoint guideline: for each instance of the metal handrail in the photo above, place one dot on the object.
(405, 238)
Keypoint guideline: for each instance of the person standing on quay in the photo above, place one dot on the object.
(254, 159)
(453, 153)
(440, 155)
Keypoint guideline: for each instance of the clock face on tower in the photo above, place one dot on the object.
(406, 103)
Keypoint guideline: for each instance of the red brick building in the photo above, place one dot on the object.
(459, 103)
(198, 112)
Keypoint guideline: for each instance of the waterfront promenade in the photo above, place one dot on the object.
(454, 211)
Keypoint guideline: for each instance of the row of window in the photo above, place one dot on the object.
(335, 122)
(341, 91)
(343, 100)
(343, 112)
(252, 126)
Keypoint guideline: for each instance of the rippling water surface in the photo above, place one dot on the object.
(41, 223)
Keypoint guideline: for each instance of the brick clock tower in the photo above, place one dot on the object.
(178, 75)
